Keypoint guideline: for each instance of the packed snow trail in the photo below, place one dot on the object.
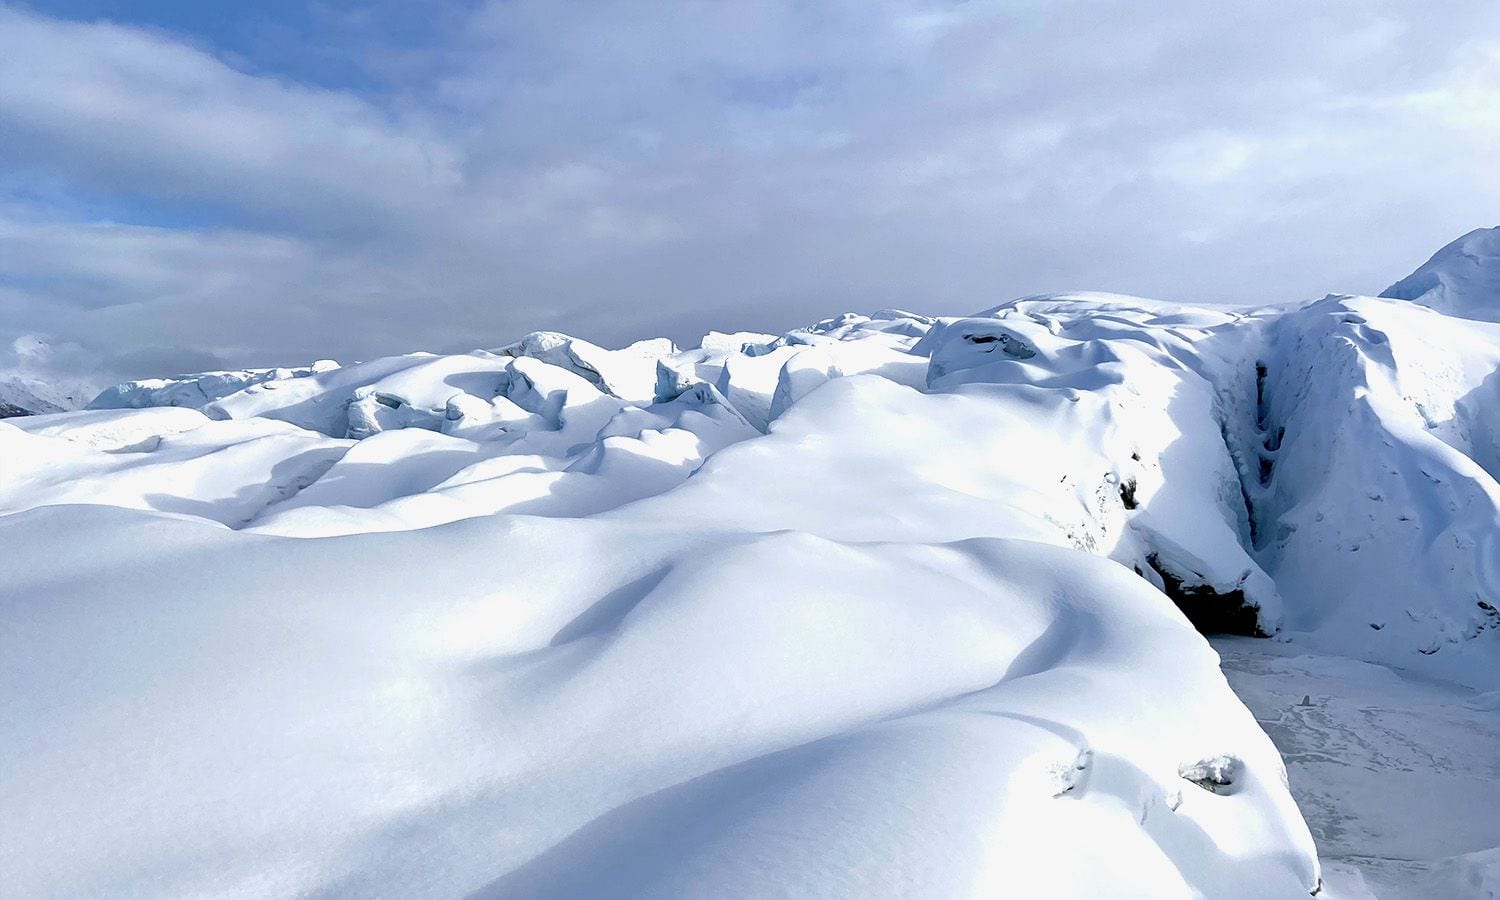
(1398, 776)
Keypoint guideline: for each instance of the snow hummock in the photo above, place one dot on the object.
(891, 605)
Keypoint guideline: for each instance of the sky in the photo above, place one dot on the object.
(187, 185)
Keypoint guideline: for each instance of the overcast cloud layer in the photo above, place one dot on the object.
(347, 181)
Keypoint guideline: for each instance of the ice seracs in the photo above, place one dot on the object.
(195, 391)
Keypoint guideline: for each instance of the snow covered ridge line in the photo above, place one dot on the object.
(197, 391)
(873, 608)
(1186, 447)
(537, 419)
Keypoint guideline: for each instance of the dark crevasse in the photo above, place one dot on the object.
(1211, 612)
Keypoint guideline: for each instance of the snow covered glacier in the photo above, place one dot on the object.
(888, 606)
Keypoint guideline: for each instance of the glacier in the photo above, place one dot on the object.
(891, 605)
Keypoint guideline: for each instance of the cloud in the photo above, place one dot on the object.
(120, 109)
(621, 169)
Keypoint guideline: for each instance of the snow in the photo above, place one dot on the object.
(1397, 774)
(199, 389)
(1462, 279)
(891, 605)
(390, 714)
(1383, 506)
(34, 379)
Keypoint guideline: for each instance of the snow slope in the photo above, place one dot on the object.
(1380, 506)
(528, 706)
(20, 396)
(886, 606)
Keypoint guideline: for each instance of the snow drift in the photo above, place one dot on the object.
(887, 606)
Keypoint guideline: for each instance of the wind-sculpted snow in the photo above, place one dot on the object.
(887, 606)
(528, 707)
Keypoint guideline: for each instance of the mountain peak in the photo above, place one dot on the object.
(1462, 279)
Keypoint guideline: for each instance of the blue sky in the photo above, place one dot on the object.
(333, 43)
(189, 183)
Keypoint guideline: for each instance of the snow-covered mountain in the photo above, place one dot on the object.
(21, 395)
(1462, 279)
(888, 606)
(30, 383)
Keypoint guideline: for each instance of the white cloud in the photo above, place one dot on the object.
(121, 109)
(618, 169)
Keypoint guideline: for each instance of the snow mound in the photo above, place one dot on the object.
(523, 706)
(1462, 279)
(629, 373)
